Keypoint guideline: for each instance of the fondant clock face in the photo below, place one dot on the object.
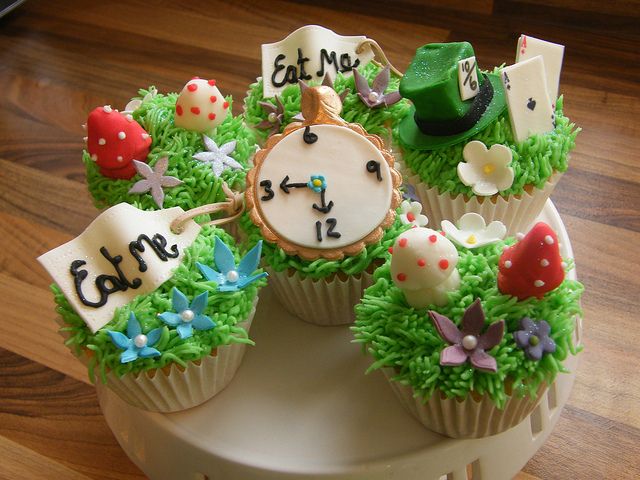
(324, 187)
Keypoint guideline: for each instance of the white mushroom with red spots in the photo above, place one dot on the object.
(423, 265)
(200, 106)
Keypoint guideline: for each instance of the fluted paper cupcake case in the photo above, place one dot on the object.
(321, 302)
(182, 388)
(517, 212)
(468, 418)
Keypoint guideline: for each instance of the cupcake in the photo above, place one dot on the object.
(369, 94)
(466, 154)
(178, 345)
(167, 150)
(470, 334)
(323, 196)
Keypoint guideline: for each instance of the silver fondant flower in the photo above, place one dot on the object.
(218, 157)
(154, 180)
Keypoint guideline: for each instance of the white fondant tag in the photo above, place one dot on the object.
(308, 54)
(468, 78)
(123, 253)
(552, 53)
(527, 98)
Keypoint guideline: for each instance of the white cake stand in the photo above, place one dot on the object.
(300, 407)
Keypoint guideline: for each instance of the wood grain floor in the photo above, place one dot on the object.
(58, 60)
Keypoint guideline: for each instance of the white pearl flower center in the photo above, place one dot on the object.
(233, 276)
(373, 97)
(187, 315)
(140, 340)
(469, 342)
(272, 117)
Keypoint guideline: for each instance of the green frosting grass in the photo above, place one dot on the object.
(200, 185)
(226, 309)
(377, 121)
(404, 338)
(534, 160)
(279, 260)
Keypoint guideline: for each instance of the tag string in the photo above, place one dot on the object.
(233, 207)
(380, 58)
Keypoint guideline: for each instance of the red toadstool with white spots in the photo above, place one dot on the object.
(114, 141)
(423, 265)
(200, 106)
(533, 266)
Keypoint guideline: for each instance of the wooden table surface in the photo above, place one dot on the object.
(58, 60)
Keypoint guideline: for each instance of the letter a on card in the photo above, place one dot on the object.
(530, 109)
(552, 53)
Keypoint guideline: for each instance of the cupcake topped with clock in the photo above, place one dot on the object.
(167, 150)
(314, 55)
(323, 196)
(491, 142)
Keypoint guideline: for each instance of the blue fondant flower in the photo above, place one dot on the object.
(187, 317)
(317, 183)
(135, 343)
(228, 277)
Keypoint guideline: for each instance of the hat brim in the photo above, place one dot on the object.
(411, 136)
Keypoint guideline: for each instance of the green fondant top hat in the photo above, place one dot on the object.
(439, 117)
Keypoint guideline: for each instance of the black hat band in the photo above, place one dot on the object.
(452, 127)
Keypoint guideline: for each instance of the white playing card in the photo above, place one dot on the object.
(552, 53)
(468, 78)
(530, 109)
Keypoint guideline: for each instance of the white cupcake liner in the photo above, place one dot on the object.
(182, 388)
(468, 418)
(517, 212)
(321, 302)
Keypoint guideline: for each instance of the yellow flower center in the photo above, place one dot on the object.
(471, 239)
(317, 182)
(489, 168)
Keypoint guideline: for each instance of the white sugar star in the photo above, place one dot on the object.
(218, 157)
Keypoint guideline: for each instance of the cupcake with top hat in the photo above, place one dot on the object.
(462, 153)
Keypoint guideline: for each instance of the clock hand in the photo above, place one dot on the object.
(286, 186)
(324, 208)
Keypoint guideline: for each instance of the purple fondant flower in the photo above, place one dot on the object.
(468, 343)
(374, 96)
(275, 115)
(534, 338)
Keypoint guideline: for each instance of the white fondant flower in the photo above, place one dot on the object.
(218, 157)
(134, 104)
(486, 171)
(473, 232)
(412, 214)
